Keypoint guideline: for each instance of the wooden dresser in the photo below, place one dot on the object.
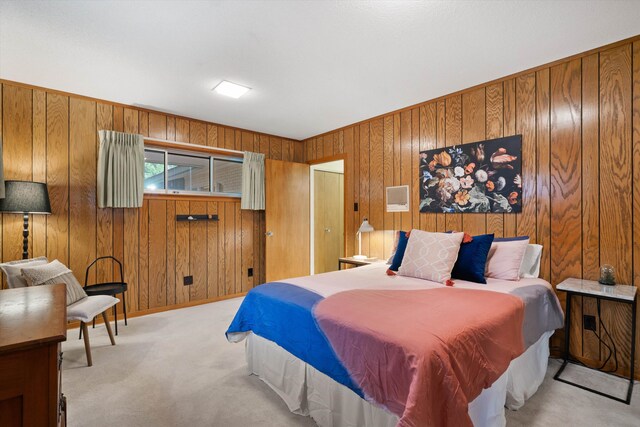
(32, 327)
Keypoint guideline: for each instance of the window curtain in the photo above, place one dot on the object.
(120, 170)
(1, 173)
(252, 181)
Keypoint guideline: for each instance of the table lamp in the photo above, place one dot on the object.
(25, 197)
(365, 227)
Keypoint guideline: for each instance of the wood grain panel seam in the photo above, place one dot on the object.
(504, 118)
(582, 330)
(69, 180)
(515, 121)
(97, 152)
(459, 142)
(633, 165)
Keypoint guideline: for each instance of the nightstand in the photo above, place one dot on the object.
(357, 262)
(590, 288)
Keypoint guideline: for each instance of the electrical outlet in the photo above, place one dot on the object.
(188, 280)
(589, 322)
(250, 272)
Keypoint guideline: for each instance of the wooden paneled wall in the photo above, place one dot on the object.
(52, 137)
(580, 125)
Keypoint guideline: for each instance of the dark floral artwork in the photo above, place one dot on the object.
(479, 177)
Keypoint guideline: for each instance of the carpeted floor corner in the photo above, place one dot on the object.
(177, 369)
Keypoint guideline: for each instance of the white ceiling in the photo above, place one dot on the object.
(313, 65)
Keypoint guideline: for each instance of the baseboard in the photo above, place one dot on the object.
(76, 324)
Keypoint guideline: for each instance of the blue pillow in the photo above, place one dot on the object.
(472, 259)
(402, 246)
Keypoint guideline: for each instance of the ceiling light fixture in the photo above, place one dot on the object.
(232, 90)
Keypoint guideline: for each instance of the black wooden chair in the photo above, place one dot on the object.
(108, 288)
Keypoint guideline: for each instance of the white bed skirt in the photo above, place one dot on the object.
(307, 391)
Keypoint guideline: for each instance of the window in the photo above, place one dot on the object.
(174, 171)
(188, 173)
(227, 176)
(154, 170)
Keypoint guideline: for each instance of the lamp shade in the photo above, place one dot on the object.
(25, 197)
(365, 227)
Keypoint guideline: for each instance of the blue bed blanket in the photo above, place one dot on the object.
(283, 313)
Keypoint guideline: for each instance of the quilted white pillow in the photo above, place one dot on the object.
(430, 256)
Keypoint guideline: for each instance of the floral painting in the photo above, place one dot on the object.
(479, 177)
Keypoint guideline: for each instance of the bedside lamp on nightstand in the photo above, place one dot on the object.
(365, 227)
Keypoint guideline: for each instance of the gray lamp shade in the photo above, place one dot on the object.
(25, 197)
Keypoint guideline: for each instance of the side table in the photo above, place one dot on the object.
(589, 288)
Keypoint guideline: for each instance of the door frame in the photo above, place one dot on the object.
(343, 157)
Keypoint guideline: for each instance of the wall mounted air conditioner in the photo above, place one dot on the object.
(398, 198)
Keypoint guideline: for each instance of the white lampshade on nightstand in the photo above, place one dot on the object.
(365, 227)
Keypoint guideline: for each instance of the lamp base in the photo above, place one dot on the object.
(360, 257)
(25, 237)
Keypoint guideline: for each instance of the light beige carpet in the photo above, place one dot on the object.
(177, 369)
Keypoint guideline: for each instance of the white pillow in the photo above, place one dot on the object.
(505, 259)
(12, 270)
(530, 268)
(430, 256)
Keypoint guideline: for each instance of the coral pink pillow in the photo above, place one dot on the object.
(505, 259)
(430, 256)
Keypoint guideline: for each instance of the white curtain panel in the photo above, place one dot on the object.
(253, 181)
(120, 170)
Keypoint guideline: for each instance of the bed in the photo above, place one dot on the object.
(291, 346)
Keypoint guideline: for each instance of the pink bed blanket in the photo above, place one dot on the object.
(424, 354)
